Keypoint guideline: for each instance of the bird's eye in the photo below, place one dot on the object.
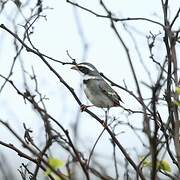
(84, 70)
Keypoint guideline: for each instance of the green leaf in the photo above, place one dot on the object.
(177, 90)
(55, 164)
(164, 165)
(177, 103)
(146, 162)
(161, 165)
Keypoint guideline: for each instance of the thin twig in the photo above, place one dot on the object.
(113, 18)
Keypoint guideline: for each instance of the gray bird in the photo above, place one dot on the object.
(97, 90)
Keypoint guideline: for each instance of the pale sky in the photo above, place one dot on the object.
(60, 33)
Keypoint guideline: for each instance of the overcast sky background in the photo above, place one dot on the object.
(60, 33)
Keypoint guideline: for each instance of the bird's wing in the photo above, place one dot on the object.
(106, 88)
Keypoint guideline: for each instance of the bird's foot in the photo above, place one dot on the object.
(105, 123)
(84, 107)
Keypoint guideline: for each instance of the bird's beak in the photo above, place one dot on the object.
(75, 68)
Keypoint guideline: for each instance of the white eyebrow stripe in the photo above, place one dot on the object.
(86, 66)
(88, 77)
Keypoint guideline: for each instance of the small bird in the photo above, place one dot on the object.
(97, 90)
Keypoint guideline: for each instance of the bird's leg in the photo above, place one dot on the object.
(106, 116)
(84, 107)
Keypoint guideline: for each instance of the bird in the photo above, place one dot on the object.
(97, 90)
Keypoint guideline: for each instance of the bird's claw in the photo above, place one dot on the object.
(105, 123)
(84, 107)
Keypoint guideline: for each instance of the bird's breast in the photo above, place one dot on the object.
(95, 94)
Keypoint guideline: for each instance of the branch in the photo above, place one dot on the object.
(113, 18)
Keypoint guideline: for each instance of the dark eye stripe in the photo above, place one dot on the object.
(84, 69)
